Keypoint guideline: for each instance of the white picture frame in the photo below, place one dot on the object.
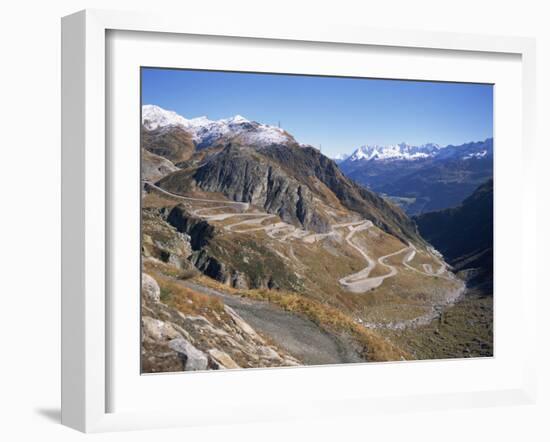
(85, 307)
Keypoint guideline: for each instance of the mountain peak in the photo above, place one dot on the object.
(154, 116)
(208, 132)
(340, 157)
(237, 119)
(400, 151)
(202, 120)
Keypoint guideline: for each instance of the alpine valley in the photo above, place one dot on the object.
(422, 178)
(259, 251)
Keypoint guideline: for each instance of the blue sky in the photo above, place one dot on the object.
(341, 114)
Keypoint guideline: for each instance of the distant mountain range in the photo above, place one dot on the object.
(340, 157)
(422, 178)
(401, 151)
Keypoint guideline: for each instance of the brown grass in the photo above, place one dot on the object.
(464, 330)
(375, 347)
(315, 293)
(156, 266)
(156, 200)
(330, 198)
(187, 301)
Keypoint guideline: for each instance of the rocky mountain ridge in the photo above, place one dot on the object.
(207, 133)
(409, 152)
(297, 183)
(401, 151)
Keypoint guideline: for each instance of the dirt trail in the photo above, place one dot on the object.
(299, 336)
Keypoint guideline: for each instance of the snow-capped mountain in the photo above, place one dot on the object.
(402, 151)
(407, 152)
(476, 155)
(422, 178)
(207, 132)
(340, 157)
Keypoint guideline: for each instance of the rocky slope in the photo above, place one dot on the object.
(154, 167)
(295, 182)
(308, 331)
(464, 235)
(172, 142)
(274, 170)
(177, 237)
(311, 166)
(205, 334)
(208, 133)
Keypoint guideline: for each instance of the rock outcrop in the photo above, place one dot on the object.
(199, 231)
(154, 167)
(149, 288)
(177, 341)
(164, 242)
(260, 183)
(222, 359)
(305, 162)
(192, 359)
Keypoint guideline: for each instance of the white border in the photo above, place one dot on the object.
(84, 381)
(127, 51)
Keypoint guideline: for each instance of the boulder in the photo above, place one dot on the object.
(244, 327)
(239, 280)
(150, 288)
(158, 330)
(269, 353)
(193, 358)
(222, 358)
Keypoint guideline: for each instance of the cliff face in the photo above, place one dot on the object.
(293, 182)
(244, 174)
(305, 162)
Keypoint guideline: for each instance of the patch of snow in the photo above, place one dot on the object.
(401, 151)
(341, 157)
(404, 151)
(154, 117)
(475, 155)
(206, 132)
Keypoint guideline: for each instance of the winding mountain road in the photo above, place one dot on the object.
(359, 282)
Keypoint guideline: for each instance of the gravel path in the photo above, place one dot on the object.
(299, 336)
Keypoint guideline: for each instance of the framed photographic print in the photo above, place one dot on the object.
(258, 250)
(249, 214)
